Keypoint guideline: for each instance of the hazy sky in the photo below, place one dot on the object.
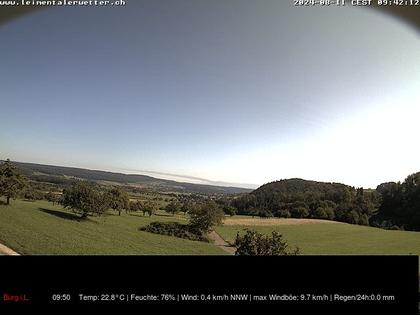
(237, 91)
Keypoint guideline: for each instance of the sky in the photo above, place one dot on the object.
(238, 92)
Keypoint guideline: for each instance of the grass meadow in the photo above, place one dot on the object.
(41, 228)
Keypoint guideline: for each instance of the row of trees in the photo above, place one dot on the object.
(86, 199)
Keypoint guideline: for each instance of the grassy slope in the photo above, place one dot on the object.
(27, 229)
(327, 238)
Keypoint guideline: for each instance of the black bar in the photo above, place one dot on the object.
(358, 283)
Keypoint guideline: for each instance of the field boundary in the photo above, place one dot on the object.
(276, 221)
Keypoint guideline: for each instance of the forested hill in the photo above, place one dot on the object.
(302, 186)
(390, 205)
(64, 175)
(299, 198)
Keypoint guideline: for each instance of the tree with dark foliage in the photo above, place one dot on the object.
(52, 197)
(173, 207)
(118, 199)
(85, 199)
(400, 207)
(206, 216)
(11, 182)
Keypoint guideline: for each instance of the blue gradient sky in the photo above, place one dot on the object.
(236, 91)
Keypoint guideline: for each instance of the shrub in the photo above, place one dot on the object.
(174, 229)
(255, 243)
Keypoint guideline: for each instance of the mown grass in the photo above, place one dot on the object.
(41, 228)
(337, 239)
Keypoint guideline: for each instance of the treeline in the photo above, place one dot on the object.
(400, 206)
(391, 205)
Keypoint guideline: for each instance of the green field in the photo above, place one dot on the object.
(338, 238)
(41, 228)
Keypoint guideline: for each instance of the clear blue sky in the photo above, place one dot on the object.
(236, 91)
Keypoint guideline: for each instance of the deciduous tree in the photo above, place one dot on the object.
(11, 181)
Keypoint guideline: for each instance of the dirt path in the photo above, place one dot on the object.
(4, 250)
(221, 243)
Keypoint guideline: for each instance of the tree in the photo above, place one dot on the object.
(52, 197)
(400, 204)
(11, 182)
(229, 210)
(32, 194)
(262, 212)
(118, 199)
(173, 207)
(255, 243)
(330, 213)
(187, 206)
(300, 212)
(135, 206)
(206, 216)
(320, 213)
(149, 208)
(83, 198)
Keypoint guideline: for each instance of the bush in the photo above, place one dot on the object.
(174, 229)
(254, 243)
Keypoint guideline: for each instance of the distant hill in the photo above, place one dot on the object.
(298, 186)
(64, 175)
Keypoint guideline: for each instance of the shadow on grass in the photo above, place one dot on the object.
(63, 215)
(3, 203)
